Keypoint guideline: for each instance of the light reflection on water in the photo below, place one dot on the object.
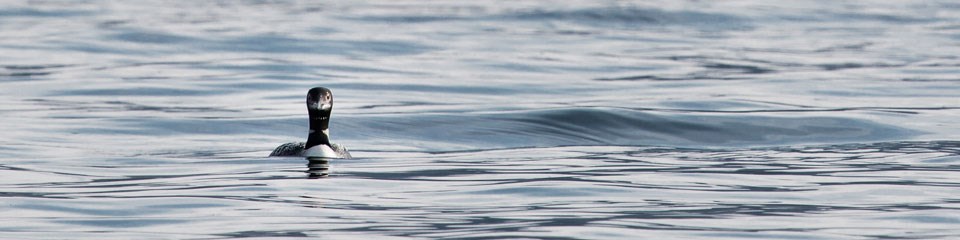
(572, 120)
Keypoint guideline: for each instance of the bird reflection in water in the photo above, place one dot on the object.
(318, 167)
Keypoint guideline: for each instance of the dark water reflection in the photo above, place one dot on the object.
(318, 168)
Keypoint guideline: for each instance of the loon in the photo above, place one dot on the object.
(319, 105)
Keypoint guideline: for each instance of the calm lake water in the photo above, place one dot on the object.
(482, 119)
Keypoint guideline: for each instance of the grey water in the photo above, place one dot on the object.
(482, 119)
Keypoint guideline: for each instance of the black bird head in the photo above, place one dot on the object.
(320, 98)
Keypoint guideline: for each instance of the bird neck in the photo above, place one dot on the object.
(319, 132)
(317, 138)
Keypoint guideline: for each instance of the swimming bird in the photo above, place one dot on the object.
(319, 106)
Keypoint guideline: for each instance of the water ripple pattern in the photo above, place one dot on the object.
(484, 119)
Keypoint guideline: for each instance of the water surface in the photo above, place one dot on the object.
(551, 119)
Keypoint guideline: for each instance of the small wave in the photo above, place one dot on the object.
(249, 43)
(8, 72)
(608, 126)
(539, 128)
(633, 17)
(30, 12)
(605, 16)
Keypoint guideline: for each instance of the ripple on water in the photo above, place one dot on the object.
(610, 126)
(832, 191)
